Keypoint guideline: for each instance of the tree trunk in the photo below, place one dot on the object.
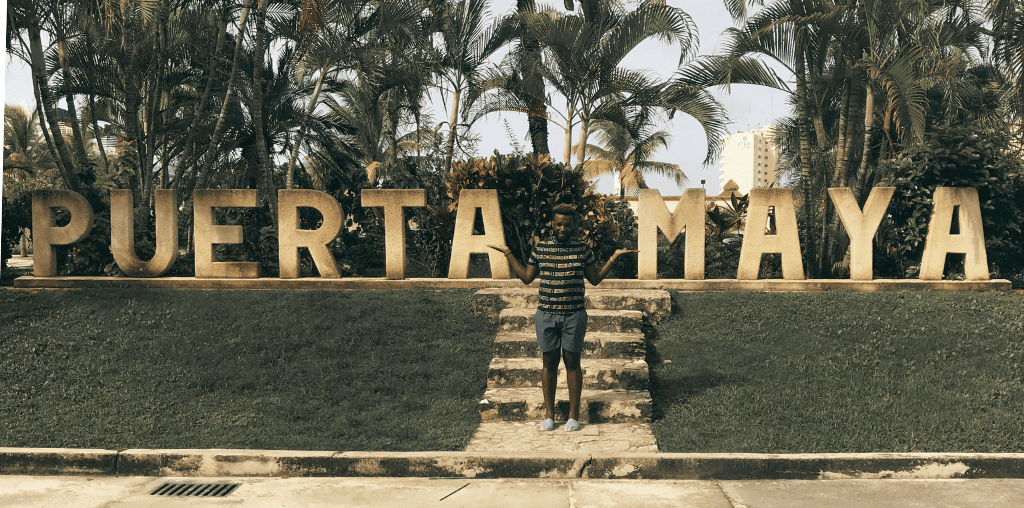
(803, 127)
(830, 234)
(391, 134)
(567, 155)
(211, 71)
(840, 150)
(266, 169)
(852, 121)
(76, 130)
(46, 132)
(297, 146)
(819, 129)
(538, 124)
(218, 131)
(584, 134)
(131, 127)
(152, 118)
(883, 153)
(452, 124)
(70, 172)
(869, 118)
(96, 131)
(533, 84)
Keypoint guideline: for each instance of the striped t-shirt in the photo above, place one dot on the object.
(561, 274)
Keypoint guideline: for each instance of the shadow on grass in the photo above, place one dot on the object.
(668, 386)
(670, 389)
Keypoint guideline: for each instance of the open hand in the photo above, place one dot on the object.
(501, 248)
(620, 252)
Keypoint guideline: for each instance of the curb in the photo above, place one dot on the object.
(57, 461)
(651, 466)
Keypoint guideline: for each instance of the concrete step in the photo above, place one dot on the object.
(655, 304)
(598, 345)
(596, 406)
(618, 321)
(598, 374)
(526, 439)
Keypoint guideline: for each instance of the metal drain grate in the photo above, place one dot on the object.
(195, 489)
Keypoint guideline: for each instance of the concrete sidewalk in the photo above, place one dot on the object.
(18, 261)
(115, 492)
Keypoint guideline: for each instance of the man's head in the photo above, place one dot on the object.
(563, 221)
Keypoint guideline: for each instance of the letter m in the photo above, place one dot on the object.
(654, 215)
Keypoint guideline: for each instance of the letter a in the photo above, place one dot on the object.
(122, 234)
(45, 232)
(689, 215)
(466, 243)
(970, 242)
(756, 241)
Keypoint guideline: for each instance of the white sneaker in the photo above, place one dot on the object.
(572, 425)
(548, 424)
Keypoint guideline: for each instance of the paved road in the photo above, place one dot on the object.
(111, 492)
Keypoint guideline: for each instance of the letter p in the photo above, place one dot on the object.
(46, 234)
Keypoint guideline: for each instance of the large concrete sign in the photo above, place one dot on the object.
(761, 237)
(122, 234)
(757, 241)
(688, 216)
(45, 232)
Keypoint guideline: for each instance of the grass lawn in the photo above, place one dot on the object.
(403, 370)
(840, 372)
(318, 370)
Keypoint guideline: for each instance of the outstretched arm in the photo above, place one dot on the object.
(525, 273)
(595, 276)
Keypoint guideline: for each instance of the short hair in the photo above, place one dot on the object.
(564, 209)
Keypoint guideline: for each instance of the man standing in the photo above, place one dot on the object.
(561, 319)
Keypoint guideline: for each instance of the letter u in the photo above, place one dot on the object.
(122, 234)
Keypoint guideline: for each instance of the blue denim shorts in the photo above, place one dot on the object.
(560, 331)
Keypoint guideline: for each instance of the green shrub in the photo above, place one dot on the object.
(14, 219)
(528, 188)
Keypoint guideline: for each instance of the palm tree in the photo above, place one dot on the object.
(363, 108)
(856, 65)
(581, 57)
(31, 17)
(460, 54)
(25, 150)
(518, 79)
(232, 86)
(329, 38)
(1008, 54)
(212, 19)
(256, 105)
(626, 158)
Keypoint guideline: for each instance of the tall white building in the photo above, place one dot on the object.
(751, 159)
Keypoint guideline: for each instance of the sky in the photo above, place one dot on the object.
(748, 107)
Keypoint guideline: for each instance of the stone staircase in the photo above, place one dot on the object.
(615, 373)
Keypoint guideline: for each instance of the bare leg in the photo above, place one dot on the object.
(548, 382)
(574, 378)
